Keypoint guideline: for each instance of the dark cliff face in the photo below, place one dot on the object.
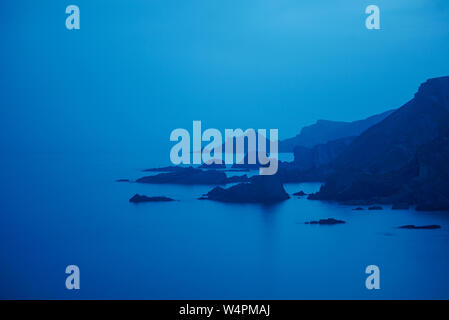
(430, 186)
(321, 154)
(393, 142)
(403, 159)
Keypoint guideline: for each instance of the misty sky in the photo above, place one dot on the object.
(139, 69)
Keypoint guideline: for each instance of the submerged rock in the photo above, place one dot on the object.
(411, 226)
(212, 165)
(400, 206)
(167, 169)
(436, 206)
(259, 189)
(192, 176)
(255, 163)
(235, 179)
(137, 198)
(300, 193)
(328, 221)
(122, 180)
(237, 170)
(358, 209)
(375, 208)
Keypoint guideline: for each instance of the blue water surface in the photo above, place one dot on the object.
(60, 210)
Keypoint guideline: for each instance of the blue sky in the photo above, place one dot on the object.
(139, 69)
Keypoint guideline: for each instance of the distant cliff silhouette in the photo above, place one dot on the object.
(324, 131)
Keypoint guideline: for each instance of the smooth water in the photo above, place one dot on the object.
(60, 209)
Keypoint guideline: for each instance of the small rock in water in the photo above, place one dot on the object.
(411, 226)
(137, 198)
(358, 209)
(329, 221)
(300, 193)
(375, 208)
(122, 180)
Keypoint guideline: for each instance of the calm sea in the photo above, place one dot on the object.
(60, 209)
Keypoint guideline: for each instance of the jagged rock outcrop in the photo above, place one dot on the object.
(259, 189)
